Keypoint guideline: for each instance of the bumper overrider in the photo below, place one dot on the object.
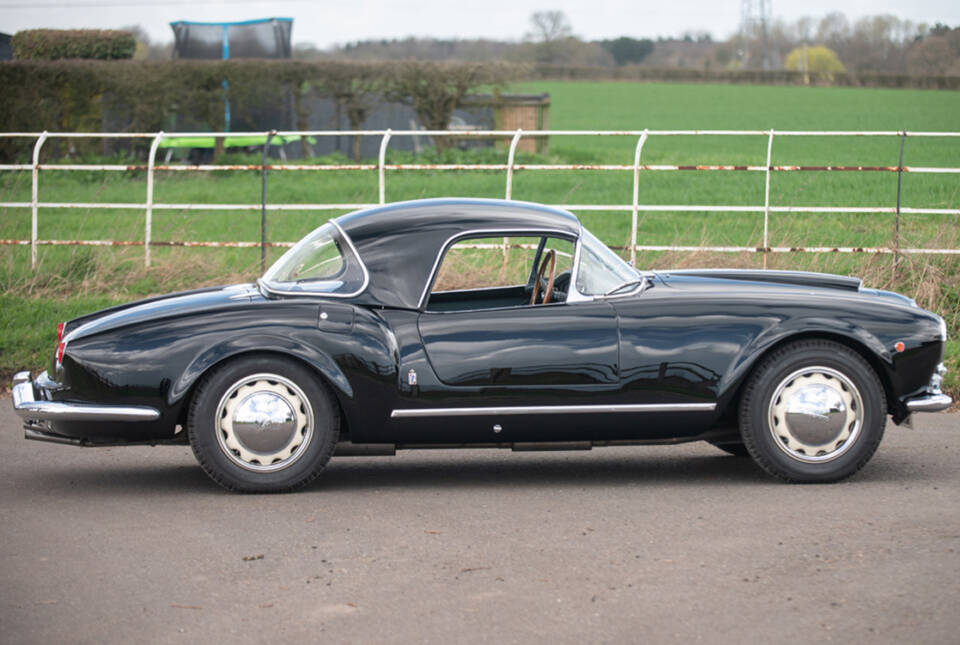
(932, 399)
(31, 402)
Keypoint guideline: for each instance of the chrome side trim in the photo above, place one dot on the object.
(930, 403)
(27, 407)
(553, 409)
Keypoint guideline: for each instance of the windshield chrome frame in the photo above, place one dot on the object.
(574, 295)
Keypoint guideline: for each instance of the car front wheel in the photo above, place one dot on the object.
(814, 411)
(262, 424)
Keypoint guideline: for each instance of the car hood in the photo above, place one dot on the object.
(159, 307)
(768, 283)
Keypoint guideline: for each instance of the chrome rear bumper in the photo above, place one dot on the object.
(31, 403)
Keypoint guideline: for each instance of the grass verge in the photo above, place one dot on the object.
(73, 280)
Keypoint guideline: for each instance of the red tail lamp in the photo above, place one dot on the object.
(61, 345)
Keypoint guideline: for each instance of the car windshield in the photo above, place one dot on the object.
(323, 262)
(601, 270)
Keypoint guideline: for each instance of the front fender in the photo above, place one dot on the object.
(258, 343)
(837, 328)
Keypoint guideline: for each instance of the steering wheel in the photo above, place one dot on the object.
(551, 257)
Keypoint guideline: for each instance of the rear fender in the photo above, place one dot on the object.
(259, 343)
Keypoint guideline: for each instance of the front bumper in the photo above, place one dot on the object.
(33, 404)
(932, 399)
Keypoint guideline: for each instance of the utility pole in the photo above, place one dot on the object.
(754, 30)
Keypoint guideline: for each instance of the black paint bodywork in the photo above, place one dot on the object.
(689, 337)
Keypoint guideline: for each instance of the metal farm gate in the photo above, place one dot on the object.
(149, 205)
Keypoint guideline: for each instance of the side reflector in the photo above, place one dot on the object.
(899, 346)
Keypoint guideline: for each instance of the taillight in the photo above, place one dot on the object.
(61, 345)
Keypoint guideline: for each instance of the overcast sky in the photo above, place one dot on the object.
(328, 22)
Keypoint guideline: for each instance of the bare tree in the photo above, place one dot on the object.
(833, 30)
(937, 53)
(549, 30)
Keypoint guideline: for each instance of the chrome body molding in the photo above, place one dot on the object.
(552, 409)
(26, 405)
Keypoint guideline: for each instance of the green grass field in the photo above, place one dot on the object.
(80, 277)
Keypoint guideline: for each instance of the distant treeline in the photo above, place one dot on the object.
(747, 76)
(870, 45)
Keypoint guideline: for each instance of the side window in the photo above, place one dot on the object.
(564, 250)
(486, 262)
(488, 272)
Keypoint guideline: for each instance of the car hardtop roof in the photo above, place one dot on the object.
(401, 244)
(498, 213)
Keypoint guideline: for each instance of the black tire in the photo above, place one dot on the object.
(262, 424)
(735, 448)
(814, 411)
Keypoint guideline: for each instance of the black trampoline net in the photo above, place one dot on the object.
(268, 38)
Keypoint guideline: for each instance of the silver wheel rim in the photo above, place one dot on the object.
(264, 423)
(815, 414)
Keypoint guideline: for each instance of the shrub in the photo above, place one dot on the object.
(818, 60)
(54, 44)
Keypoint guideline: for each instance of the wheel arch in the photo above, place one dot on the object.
(326, 370)
(876, 363)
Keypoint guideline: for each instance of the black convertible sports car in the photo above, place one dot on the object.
(481, 323)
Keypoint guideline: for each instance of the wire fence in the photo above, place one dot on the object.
(635, 207)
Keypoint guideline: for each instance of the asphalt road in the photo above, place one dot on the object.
(659, 544)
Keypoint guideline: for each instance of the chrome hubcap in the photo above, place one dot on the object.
(264, 422)
(815, 414)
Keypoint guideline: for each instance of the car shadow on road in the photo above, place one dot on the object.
(553, 472)
(121, 479)
(433, 471)
(577, 472)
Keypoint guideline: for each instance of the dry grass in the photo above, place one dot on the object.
(84, 272)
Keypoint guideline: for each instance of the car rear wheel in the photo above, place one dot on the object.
(262, 424)
(814, 411)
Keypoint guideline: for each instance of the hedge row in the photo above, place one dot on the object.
(56, 44)
(754, 77)
(147, 96)
(180, 95)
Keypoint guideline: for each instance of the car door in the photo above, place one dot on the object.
(489, 336)
(497, 361)
(531, 350)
